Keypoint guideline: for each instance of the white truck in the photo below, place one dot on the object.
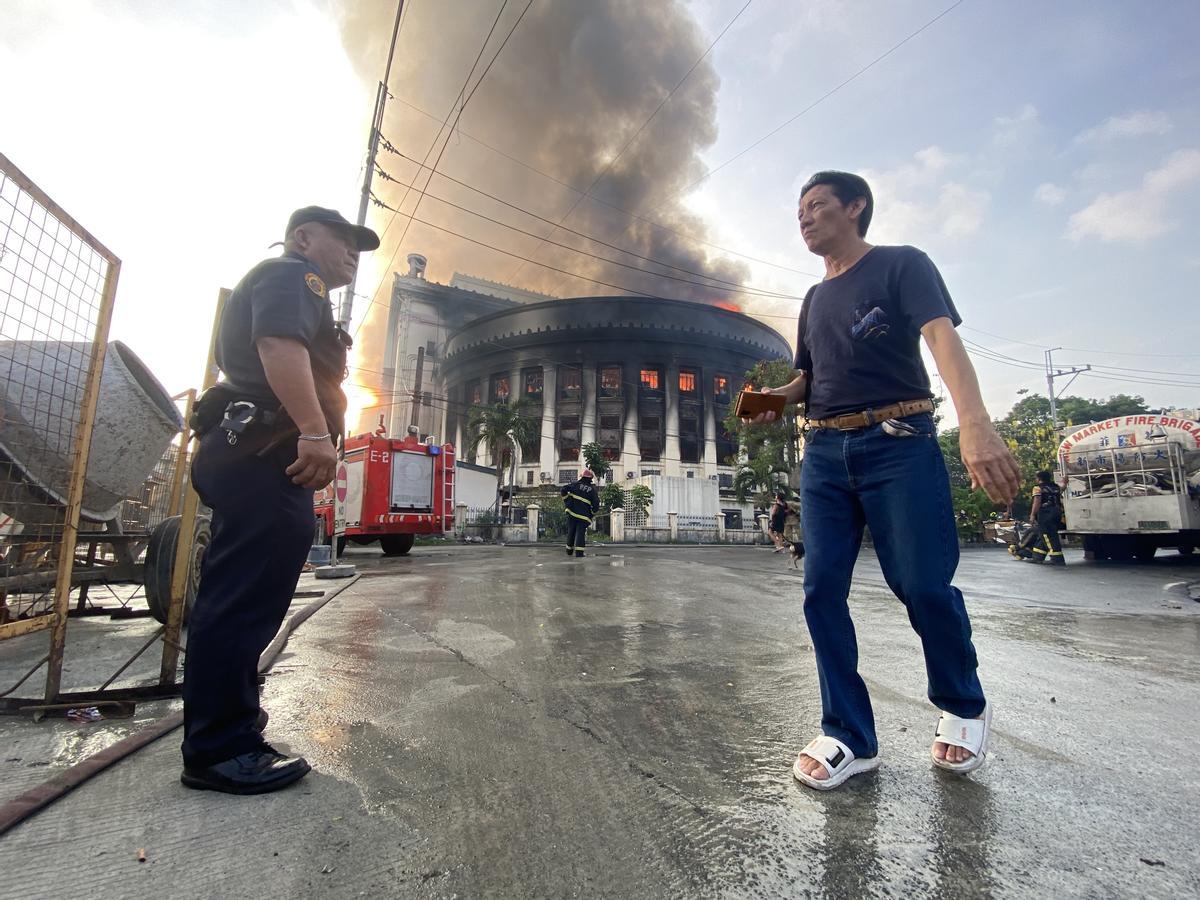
(1133, 485)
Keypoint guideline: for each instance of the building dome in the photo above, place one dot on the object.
(647, 378)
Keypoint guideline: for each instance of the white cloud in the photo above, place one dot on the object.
(1050, 194)
(1135, 124)
(917, 200)
(1137, 215)
(1013, 129)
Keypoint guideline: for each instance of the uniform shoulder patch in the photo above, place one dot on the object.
(315, 284)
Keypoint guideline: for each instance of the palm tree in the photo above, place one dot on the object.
(492, 426)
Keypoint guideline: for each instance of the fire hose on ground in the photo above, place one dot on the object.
(33, 801)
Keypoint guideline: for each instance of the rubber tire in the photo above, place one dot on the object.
(396, 544)
(1144, 551)
(160, 560)
(1187, 549)
(341, 545)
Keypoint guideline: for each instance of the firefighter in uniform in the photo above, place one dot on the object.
(581, 500)
(1046, 516)
(268, 433)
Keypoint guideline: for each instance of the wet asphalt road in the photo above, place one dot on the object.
(508, 722)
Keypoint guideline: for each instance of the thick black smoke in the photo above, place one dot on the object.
(573, 85)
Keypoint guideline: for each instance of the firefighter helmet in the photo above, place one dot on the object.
(587, 473)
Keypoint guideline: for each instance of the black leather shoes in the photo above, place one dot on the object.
(256, 772)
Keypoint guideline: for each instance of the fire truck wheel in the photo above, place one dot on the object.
(396, 544)
(160, 560)
(1187, 549)
(1145, 551)
(341, 545)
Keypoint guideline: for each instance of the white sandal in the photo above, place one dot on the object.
(838, 759)
(970, 734)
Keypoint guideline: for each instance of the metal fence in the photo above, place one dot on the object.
(57, 286)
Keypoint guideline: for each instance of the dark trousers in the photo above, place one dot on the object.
(261, 530)
(1048, 547)
(576, 532)
(898, 487)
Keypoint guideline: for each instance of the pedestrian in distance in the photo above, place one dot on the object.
(581, 500)
(268, 438)
(1046, 517)
(778, 521)
(872, 459)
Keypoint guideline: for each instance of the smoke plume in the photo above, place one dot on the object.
(574, 84)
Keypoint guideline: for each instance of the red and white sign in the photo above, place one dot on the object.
(341, 483)
(1128, 431)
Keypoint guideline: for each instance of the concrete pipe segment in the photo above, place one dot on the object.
(41, 389)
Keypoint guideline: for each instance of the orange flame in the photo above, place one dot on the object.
(732, 307)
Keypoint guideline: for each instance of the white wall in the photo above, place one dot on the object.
(686, 496)
(474, 485)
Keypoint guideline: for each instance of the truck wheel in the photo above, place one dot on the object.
(160, 560)
(1187, 549)
(341, 545)
(1145, 551)
(396, 544)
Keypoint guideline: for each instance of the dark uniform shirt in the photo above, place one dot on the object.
(859, 332)
(283, 297)
(581, 500)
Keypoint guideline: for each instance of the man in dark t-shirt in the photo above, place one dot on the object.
(282, 357)
(872, 459)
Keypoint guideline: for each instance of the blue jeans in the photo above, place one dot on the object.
(899, 488)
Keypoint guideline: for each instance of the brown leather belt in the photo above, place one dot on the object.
(869, 417)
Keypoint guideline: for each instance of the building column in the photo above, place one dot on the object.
(631, 452)
(709, 457)
(671, 464)
(587, 417)
(460, 451)
(549, 451)
(516, 391)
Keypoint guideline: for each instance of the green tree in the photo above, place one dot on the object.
(771, 451)
(972, 507)
(638, 499)
(611, 496)
(593, 457)
(1078, 411)
(491, 425)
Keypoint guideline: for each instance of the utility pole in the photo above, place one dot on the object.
(1051, 374)
(381, 98)
(416, 394)
(334, 569)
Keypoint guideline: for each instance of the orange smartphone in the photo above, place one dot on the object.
(752, 403)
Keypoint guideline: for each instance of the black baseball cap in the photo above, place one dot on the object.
(364, 237)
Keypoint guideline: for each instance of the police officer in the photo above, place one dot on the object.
(268, 434)
(581, 500)
(1046, 516)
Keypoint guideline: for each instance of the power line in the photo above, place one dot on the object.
(1009, 340)
(814, 104)
(390, 148)
(462, 108)
(625, 212)
(991, 355)
(437, 137)
(608, 168)
(724, 287)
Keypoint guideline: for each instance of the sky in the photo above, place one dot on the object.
(1046, 156)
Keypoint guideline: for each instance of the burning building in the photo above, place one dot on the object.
(647, 378)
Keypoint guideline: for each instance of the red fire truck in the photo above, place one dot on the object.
(389, 490)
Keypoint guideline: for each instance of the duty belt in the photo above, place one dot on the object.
(868, 417)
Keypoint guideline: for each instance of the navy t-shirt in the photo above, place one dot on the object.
(859, 334)
(281, 297)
